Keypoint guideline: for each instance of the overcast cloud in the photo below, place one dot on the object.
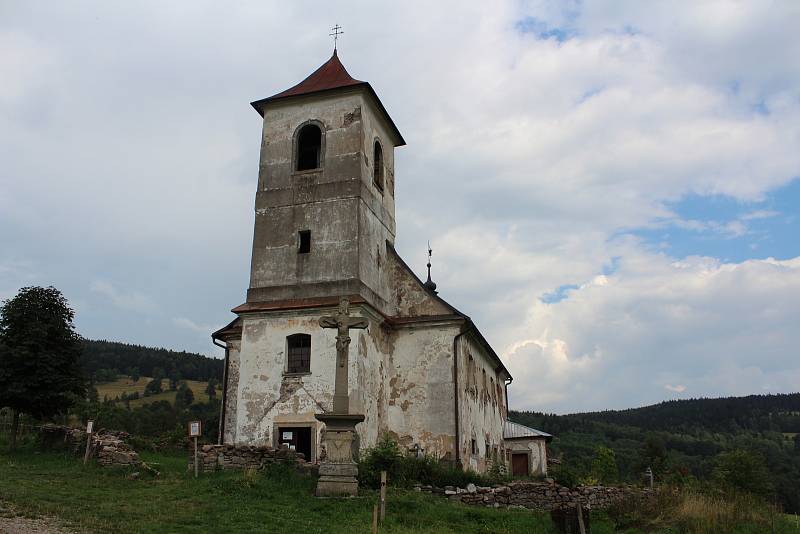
(610, 188)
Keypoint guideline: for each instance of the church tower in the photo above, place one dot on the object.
(325, 229)
(325, 200)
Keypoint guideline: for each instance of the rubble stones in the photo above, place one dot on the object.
(546, 495)
(224, 457)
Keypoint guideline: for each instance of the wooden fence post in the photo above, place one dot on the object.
(383, 496)
(375, 519)
(195, 457)
(89, 432)
(581, 526)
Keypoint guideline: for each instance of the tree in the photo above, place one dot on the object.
(184, 397)
(654, 454)
(211, 388)
(135, 374)
(174, 379)
(743, 470)
(604, 465)
(153, 387)
(40, 373)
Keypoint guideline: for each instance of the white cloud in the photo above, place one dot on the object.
(184, 322)
(130, 156)
(131, 300)
(712, 328)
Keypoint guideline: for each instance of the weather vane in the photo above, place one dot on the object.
(335, 33)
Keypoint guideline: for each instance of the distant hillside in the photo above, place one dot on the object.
(684, 438)
(102, 356)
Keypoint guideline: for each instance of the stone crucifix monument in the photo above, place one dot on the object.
(338, 471)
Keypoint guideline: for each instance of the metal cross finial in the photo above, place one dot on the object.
(430, 284)
(430, 253)
(335, 33)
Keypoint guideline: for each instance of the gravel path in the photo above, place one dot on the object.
(10, 523)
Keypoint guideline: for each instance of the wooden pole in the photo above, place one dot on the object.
(581, 526)
(88, 447)
(195, 457)
(375, 519)
(383, 496)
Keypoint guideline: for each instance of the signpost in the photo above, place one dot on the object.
(195, 429)
(383, 496)
(89, 431)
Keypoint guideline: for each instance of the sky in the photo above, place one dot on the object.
(611, 189)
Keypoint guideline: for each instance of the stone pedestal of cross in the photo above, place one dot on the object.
(337, 471)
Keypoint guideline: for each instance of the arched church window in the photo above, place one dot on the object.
(309, 148)
(377, 165)
(298, 350)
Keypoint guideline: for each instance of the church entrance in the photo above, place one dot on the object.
(519, 464)
(298, 439)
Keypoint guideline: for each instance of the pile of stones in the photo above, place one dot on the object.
(224, 457)
(545, 495)
(112, 451)
(108, 446)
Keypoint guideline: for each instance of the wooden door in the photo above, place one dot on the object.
(519, 465)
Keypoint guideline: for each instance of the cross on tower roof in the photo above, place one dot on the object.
(335, 33)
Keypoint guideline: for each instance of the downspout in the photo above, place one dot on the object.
(224, 392)
(455, 397)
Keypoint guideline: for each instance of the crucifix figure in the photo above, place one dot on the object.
(343, 323)
(338, 472)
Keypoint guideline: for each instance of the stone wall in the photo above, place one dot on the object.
(536, 495)
(108, 447)
(222, 457)
(112, 451)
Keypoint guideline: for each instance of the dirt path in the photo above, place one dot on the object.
(11, 523)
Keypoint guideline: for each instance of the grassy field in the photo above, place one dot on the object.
(53, 484)
(125, 384)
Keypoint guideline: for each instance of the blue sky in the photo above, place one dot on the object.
(730, 229)
(610, 188)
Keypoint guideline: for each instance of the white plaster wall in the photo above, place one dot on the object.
(420, 395)
(232, 379)
(266, 395)
(482, 414)
(537, 450)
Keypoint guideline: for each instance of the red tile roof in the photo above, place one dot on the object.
(331, 75)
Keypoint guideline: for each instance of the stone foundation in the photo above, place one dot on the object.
(544, 496)
(224, 457)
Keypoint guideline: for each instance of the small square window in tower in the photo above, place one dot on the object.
(298, 350)
(304, 242)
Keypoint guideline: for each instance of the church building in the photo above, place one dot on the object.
(325, 229)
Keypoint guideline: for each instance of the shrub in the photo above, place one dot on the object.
(405, 469)
(566, 475)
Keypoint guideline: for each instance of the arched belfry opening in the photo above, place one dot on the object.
(377, 165)
(309, 148)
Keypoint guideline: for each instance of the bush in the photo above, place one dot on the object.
(404, 469)
(566, 475)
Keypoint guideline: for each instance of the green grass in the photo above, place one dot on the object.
(125, 384)
(94, 499)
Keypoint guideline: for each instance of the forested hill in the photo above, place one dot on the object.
(776, 413)
(101, 357)
(683, 438)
